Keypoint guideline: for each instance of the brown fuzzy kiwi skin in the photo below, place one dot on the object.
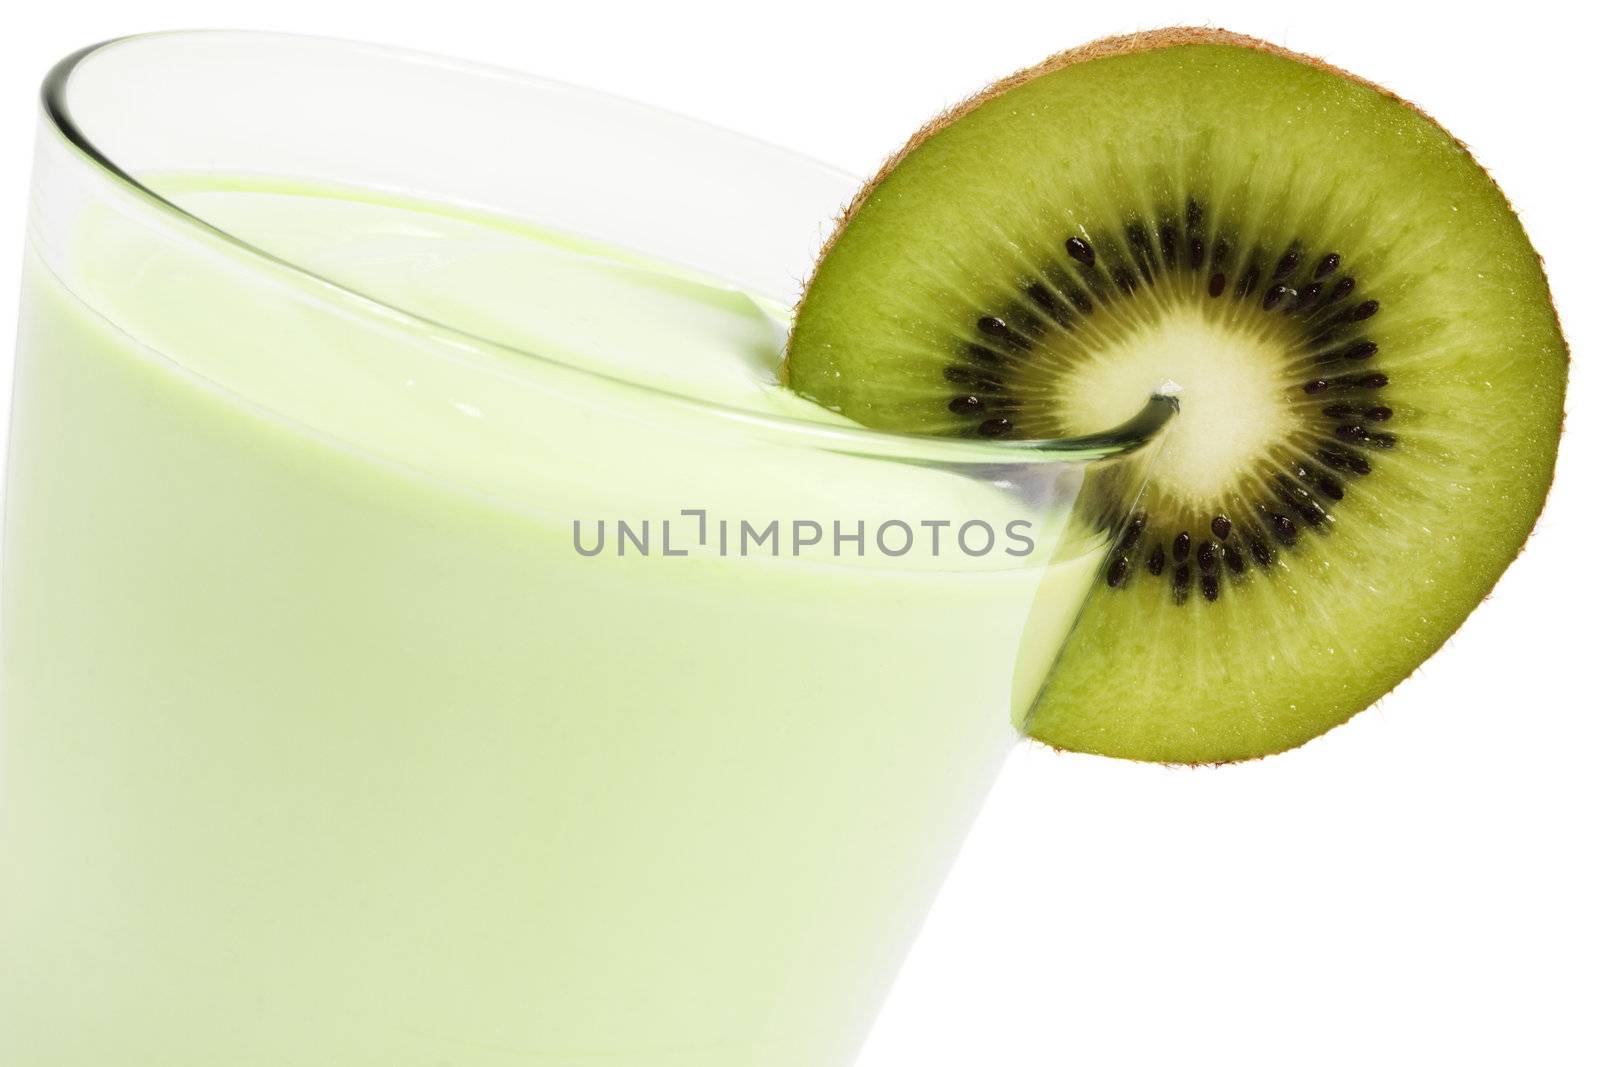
(1145, 41)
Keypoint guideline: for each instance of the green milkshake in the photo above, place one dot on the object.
(431, 637)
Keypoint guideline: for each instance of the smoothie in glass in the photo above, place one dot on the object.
(431, 635)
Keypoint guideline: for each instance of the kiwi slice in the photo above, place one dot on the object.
(1372, 372)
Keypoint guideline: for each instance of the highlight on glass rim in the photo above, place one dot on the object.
(454, 612)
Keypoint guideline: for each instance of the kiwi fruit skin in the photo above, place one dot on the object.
(1280, 151)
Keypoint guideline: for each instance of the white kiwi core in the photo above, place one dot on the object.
(1229, 372)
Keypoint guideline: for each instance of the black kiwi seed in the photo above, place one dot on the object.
(1041, 295)
(1341, 290)
(1317, 385)
(1283, 528)
(1180, 547)
(1219, 281)
(1261, 551)
(1180, 583)
(1379, 414)
(1079, 250)
(1247, 282)
(1125, 280)
(1287, 264)
(1139, 243)
(1209, 587)
(1308, 296)
(1373, 381)
(965, 405)
(998, 427)
(1364, 310)
(1130, 536)
(996, 327)
(1351, 432)
(1309, 510)
(1362, 349)
(1275, 296)
(1206, 557)
(1327, 265)
(1299, 500)
(1233, 559)
(1117, 573)
(1221, 527)
(1169, 245)
(1081, 301)
(1157, 562)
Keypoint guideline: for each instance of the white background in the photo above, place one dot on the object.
(1418, 887)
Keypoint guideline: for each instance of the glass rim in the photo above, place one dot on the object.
(1127, 437)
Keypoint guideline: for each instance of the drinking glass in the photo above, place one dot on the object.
(328, 736)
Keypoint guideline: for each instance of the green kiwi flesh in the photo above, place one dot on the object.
(1372, 372)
